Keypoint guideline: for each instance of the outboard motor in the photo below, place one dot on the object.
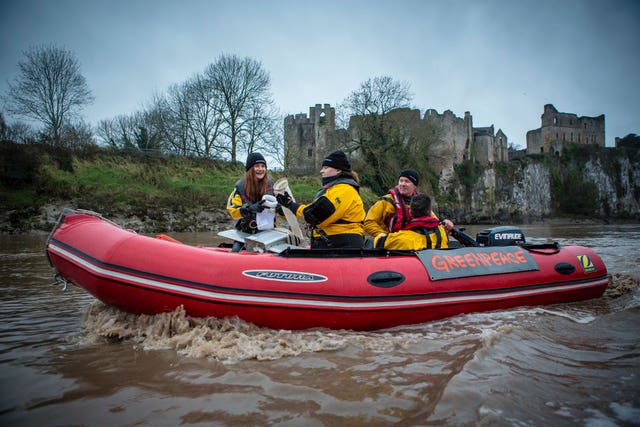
(505, 235)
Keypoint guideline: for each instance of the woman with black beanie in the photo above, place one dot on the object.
(245, 201)
(337, 212)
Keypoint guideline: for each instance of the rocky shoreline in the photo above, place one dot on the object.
(165, 220)
(42, 222)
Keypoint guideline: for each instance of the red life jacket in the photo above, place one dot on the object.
(422, 222)
(402, 216)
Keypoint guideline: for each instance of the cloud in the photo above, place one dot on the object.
(500, 60)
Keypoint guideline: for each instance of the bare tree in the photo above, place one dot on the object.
(242, 86)
(49, 89)
(77, 134)
(5, 134)
(194, 112)
(265, 133)
(18, 132)
(377, 140)
(379, 96)
(118, 132)
(107, 132)
(387, 134)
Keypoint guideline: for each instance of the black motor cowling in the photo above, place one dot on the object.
(500, 236)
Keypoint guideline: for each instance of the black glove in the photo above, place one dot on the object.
(284, 199)
(251, 209)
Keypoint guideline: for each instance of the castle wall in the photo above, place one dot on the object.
(558, 129)
(534, 142)
(483, 147)
(455, 132)
(309, 138)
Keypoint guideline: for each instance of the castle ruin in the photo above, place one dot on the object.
(309, 138)
(459, 137)
(559, 129)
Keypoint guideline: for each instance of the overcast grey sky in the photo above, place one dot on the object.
(501, 60)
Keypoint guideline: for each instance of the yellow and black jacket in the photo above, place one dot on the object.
(237, 199)
(390, 213)
(419, 233)
(336, 209)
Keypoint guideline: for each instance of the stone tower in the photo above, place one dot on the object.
(309, 138)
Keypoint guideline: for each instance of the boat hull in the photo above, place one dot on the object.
(360, 290)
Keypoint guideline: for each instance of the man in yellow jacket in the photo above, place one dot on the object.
(337, 212)
(391, 212)
(423, 231)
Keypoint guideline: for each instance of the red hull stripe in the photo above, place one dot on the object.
(405, 301)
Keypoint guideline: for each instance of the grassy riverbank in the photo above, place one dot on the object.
(160, 193)
(146, 191)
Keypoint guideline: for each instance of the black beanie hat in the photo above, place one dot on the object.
(254, 158)
(412, 175)
(337, 160)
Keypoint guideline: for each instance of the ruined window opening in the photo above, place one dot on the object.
(309, 152)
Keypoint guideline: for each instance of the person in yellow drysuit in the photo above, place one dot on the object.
(423, 231)
(245, 201)
(337, 212)
(391, 212)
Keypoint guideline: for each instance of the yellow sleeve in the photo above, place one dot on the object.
(348, 205)
(375, 221)
(376, 240)
(405, 240)
(234, 202)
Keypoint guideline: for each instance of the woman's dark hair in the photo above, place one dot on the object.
(254, 188)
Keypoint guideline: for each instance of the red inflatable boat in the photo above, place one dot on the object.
(274, 284)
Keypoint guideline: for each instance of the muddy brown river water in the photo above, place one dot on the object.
(66, 359)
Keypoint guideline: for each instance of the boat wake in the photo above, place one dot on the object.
(621, 284)
(231, 340)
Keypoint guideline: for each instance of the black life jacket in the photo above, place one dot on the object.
(339, 180)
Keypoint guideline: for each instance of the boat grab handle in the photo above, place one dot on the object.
(542, 248)
(385, 279)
